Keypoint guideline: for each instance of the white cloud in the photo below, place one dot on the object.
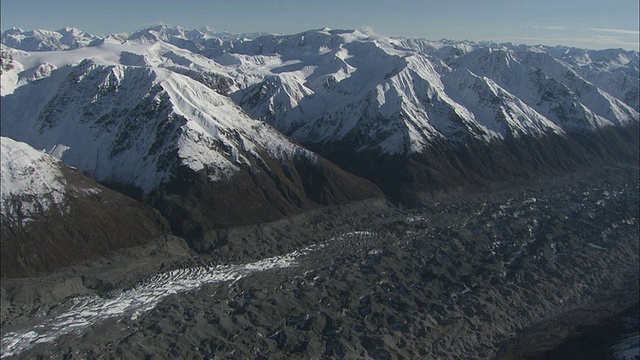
(617, 31)
(368, 29)
(589, 42)
(557, 28)
(592, 38)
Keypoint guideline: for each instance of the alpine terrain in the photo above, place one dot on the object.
(332, 193)
(53, 216)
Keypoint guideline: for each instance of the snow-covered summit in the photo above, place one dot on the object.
(31, 180)
(47, 40)
(170, 34)
(204, 41)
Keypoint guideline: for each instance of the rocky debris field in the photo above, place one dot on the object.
(460, 275)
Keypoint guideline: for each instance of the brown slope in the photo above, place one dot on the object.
(446, 165)
(272, 190)
(91, 225)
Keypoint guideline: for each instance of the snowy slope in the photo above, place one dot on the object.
(134, 124)
(155, 120)
(9, 71)
(398, 95)
(614, 71)
(551, 88)
(31, 183)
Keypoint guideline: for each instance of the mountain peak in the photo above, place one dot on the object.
(69, 29)
(47, 40)
(28, 173)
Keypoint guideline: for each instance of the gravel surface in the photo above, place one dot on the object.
(507, 272)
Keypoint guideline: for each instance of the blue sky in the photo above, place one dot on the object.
(582, 23)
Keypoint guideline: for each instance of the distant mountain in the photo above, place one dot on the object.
(47, 40)
(436, 113)
(614, 71)
(398, 95)
(204, 40)
(52, 216)
(408, 114)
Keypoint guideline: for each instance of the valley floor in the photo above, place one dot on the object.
(508, 271)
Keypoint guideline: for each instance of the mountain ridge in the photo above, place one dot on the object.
(153, 131)
(408, 114)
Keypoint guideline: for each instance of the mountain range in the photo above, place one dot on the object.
(218, 130)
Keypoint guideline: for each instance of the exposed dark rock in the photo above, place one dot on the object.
(447, 165)
(198, 208)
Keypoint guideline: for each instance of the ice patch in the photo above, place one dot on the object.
(134, 302)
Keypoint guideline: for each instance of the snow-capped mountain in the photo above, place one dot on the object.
(395, 96)
(418, 108)
(203, 41)
(47, 40)
(614, 71)
(52, 216)
(151, 118)
(174, 97)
